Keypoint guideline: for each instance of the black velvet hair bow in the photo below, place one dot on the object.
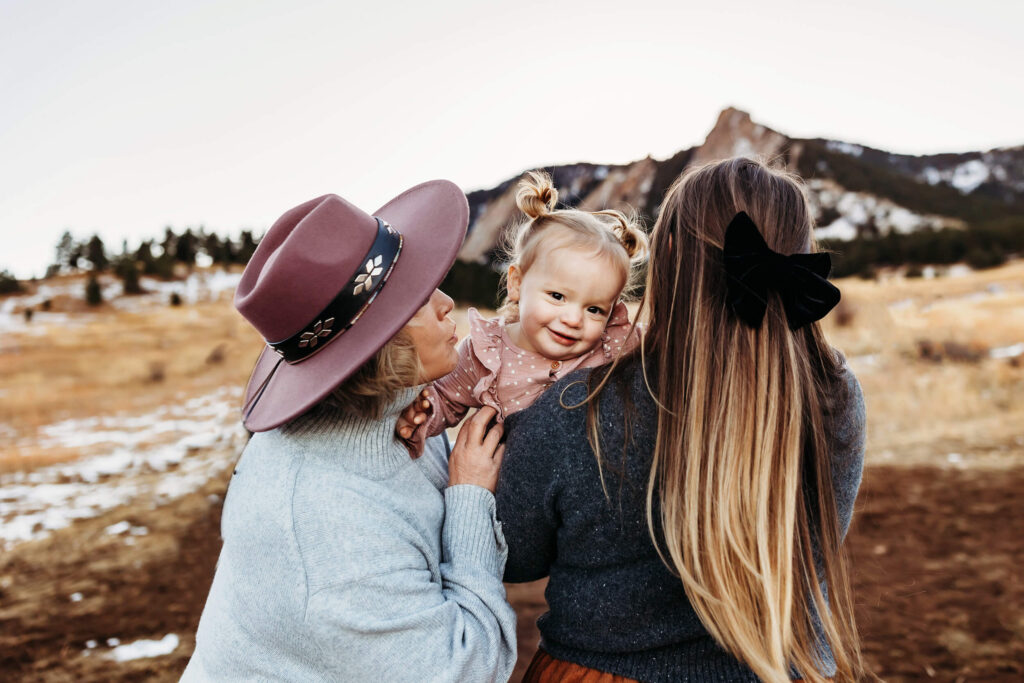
(752, 270)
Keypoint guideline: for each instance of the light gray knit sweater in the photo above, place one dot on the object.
(344, 559)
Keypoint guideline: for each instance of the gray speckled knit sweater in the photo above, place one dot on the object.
(345, 560)
(613, 604)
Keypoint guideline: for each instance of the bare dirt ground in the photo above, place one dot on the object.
(936, 543)
(937, 558)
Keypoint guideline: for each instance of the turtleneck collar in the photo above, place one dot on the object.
(364, 445)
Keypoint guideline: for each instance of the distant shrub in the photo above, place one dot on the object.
(93, 292)
(8, 283)
(867, 272)
(163, 267)
(844, 313)
(28, 314)
(47, 304)
(980, 258)
(217, 356)
(914, 271)
(157, 372)
(938, 352)
(175, 299)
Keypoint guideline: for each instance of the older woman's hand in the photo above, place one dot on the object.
(476, 457)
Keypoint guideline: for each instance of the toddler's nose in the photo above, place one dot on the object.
(572, 317)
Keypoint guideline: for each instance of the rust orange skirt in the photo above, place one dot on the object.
(546, 669)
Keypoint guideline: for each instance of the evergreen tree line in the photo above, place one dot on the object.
(152, 257)
(986, 245)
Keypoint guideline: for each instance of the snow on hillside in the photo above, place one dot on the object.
(157, 456)
(861, 212)
(965, 177)
(200, 286)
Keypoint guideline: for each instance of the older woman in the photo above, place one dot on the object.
(343, 557)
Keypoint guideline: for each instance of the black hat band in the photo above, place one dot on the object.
(350, 303)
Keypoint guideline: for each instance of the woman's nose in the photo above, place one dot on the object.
(445, 303)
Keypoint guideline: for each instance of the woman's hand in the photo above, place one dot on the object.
(476, 457)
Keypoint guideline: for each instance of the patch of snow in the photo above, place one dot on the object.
(75, 597)
(601, 172)
(901, 304)
(865, 360)
(742, 147)
(188, 443)
(839, 229)
(965, 177)
(844, 147)
(855, 207)
(1011, 351)
(903, 220)
(969, 175)
(142, 649)
(118, 529)
(91, 644)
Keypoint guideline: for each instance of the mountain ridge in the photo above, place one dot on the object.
(857, 191)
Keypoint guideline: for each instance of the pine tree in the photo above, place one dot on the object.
(96, 253)
(128, 270)
(93, 292)
(185, 249)
(144, 255)
(67, 252)
(8, 283)
(246, 248)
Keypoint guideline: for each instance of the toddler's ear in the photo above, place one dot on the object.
(515, 279)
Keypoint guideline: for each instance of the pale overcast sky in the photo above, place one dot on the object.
(121, 117)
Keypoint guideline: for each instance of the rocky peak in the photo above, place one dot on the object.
(735, 134)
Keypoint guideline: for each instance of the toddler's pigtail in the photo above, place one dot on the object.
(627, 229)
(536, 196)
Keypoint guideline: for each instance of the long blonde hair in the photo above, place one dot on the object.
(609, 233)
(740, 472)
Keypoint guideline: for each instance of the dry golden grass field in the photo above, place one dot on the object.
(118, 427)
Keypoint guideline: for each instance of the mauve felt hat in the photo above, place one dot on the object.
(329, 285)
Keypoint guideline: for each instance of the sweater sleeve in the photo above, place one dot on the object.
(452, 395)
(848, 434)
(401, 625)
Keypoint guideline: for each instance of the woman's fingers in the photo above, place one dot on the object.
(493, 437)
(476, 457)
(478, 423)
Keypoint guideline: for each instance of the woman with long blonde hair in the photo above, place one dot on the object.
(689, 500)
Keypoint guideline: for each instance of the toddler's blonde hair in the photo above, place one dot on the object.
(609, 233)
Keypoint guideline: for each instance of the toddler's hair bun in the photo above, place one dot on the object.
(536, 195)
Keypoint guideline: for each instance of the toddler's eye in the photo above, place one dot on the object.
(557, 296)
(596, 310)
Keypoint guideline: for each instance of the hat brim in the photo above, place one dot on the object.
(432, 218)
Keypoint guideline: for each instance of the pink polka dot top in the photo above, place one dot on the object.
(492, 371)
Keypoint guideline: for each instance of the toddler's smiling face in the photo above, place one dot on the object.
(565, 299)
